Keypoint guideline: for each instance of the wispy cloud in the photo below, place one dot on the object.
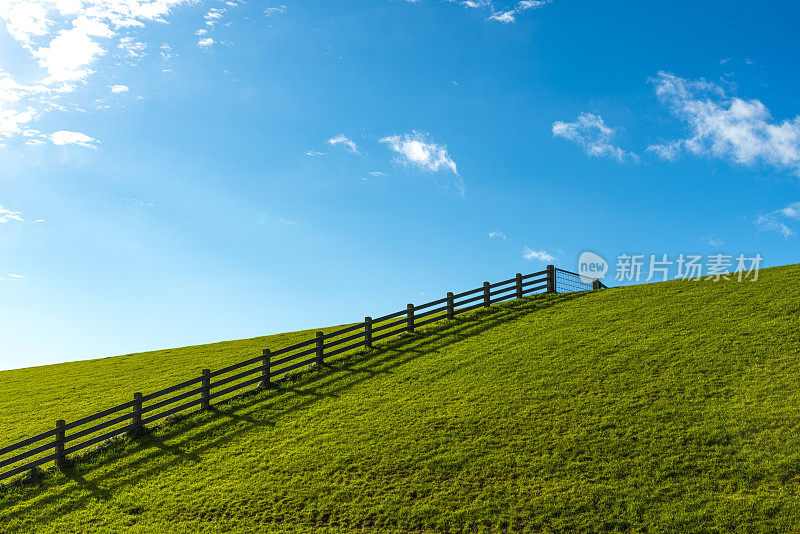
(501, 11)
(510, 15)
(592, 133)
(12, 277)
(65, 137)
(135, 202)
(119, 88)
(497, 234)
(165, 52)
(314, 153)
(537, 255)
(741, 131)
(416, 149)
(7, 215)
(214, 15)
(212, 18)
(65, 39)
(420, 151)
(132, 50)
(277, 10)
(344, 141)
(288, 222)
(775, 221)
(377, 173)
(712, 240)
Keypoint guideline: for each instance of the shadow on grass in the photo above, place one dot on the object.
(212, 427)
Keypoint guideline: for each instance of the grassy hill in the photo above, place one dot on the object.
(670, 407)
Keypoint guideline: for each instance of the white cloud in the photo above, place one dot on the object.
(165, 51)
(135, 202)
(272, 11)
(214, 15)
(497, 235)
(67, 56)
(792, 211)
(774, 220)
(15, 276)
(506, 13)
(345, 141)
(731, 128)
(419, 150)
(288, 222)
(132, 51)
(25, 20)
(65, 39)
(7, 215)
(314, 153)
(591, 132)
(118, 88)
(377, 173)
(64, 137)
(712, 240)
(505, 17)
(537, 255)
(13, 122)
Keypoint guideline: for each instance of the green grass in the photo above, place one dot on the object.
(668, 407)
(32, 399)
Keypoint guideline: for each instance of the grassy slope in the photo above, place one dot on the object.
(666, 407)
(32, 399)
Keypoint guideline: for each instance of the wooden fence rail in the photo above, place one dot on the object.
(131, 417)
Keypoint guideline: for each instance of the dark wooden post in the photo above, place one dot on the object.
(136, 420)
(368, 332)
(205, 392)
(266, 369)
(410, 318)
(595, 284)
(551, 279)
(450, 313)
(486, 294)
(519, 285)
(320, 347)
(61, 459)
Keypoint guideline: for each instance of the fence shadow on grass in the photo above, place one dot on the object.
(256, 408)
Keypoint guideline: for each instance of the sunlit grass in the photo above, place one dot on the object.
(661, 408)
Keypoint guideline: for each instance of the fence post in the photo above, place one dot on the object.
(266, 369)
(136, 420)
(410, 318)
(595, 284)
(205, 392)
(486, 295)
(519, 285)
(551, 279)
(61, 459)
(320, 347)
(368, 332)
(450, 313)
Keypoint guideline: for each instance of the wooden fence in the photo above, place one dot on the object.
(130, 417)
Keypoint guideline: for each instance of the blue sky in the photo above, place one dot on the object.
(178, 172)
